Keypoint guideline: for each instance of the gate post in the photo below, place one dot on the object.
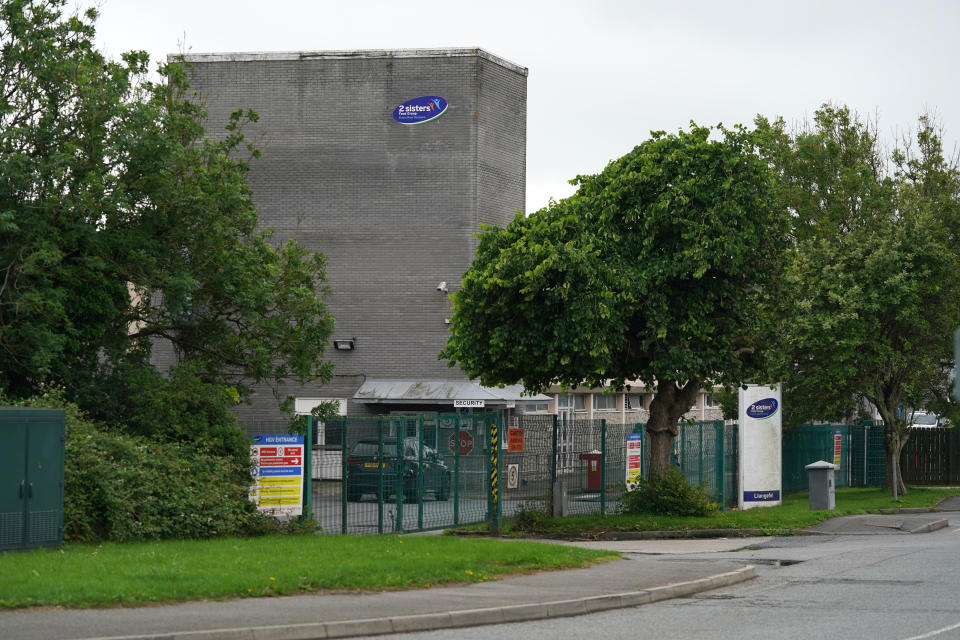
(495, 512)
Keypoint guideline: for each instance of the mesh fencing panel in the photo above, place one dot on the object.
(867, 464)
(384, 474)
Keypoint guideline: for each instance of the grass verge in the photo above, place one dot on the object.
(794, 513)
(118, 574)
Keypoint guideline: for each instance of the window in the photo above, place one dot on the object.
(569, 401)
(534, 407)
(709, 401)
(604, 402)
(633, 401)
(578, 404)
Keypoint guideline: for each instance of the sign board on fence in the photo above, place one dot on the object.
(837, 447)
(461, 441)
(634, 458)
(277, 471)
(513, 476)
(515, 440)
(468, 404)
(761, 428)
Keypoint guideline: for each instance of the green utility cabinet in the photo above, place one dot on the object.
(31, 478)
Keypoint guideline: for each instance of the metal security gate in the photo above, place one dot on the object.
(403, 473)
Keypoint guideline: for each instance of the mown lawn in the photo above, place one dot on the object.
(793, 514)
(170, 571)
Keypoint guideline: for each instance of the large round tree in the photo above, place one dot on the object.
(654, 272)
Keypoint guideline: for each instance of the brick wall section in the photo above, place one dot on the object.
(394, 207)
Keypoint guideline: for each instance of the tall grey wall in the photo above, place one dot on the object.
(394, 207)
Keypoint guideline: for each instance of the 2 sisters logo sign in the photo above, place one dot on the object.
(420, 110)
(763, 408)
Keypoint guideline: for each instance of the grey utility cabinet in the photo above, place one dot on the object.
(820, 476)
(31, 478)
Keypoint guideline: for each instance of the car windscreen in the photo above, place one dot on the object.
(369, 449)
(927, 419)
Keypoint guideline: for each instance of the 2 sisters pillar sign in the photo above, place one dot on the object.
(761, 432)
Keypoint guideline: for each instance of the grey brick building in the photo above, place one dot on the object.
(393, 206)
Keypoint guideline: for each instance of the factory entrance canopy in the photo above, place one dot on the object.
(393, 391)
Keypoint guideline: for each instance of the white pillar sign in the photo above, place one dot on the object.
(761, 429)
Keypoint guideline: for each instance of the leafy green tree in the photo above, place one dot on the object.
(871, 274)
(123, 227)
(652, 272)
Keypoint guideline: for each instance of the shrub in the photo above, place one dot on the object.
(531, 517)
(123, 487)
(668, 495)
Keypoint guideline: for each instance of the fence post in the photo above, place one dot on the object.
(344, 439)
(401, 429)
(456, 469)
(553, 457)
(419, 484)
(719, 459)
(603, 467)
(308, 471)
(380, 474)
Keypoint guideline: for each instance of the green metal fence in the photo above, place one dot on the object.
(401, 473)
(581, 461)
(805, 445)
(857, 450)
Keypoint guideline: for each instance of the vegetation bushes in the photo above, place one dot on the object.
(124, 487)
(670, 495)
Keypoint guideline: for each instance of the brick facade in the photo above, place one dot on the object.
(394, 207)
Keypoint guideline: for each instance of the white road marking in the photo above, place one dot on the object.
(934, 633)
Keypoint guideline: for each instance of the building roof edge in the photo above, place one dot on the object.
(260, 56)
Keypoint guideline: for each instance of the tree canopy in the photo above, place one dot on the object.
(123, 226)
(871, 272)
(653, 271)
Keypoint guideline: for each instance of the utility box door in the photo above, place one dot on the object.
(13, 474)
(31, 478)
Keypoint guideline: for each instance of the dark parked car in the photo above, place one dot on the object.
(366, 469)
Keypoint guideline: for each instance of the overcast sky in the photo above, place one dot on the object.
(604, 73)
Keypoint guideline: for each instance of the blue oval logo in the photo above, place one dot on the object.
(763, 408)
(420, 110)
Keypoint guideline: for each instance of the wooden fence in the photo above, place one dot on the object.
(932, 457)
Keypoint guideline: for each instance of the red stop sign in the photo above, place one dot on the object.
(462, 441)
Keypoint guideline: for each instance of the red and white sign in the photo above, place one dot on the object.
(280, 462)
(462, 441)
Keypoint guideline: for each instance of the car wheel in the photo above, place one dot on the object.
(354, 493)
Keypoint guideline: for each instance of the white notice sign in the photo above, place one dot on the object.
(468, 404)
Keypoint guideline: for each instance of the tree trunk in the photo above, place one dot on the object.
(895, 436)
(667, 407)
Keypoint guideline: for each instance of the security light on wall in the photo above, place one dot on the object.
(345, 345)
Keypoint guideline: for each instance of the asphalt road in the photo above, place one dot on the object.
(885, 586)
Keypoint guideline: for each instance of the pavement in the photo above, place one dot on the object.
(639, 577)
